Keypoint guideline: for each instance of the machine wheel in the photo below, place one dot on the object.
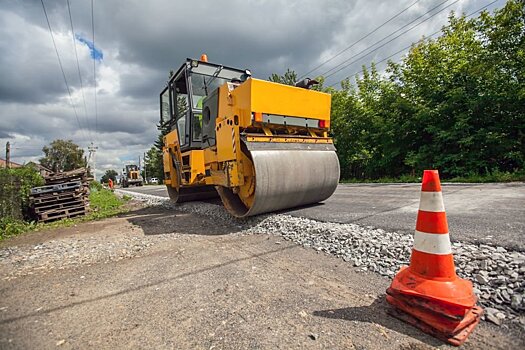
(281, 179)
(194, 193)
(173, 193)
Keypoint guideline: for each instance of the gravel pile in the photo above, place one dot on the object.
(201, 208)
(498, 275)
(61, 254)
(148, 199)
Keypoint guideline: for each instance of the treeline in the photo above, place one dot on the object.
(455, 103)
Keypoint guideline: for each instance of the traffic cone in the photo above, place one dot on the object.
(428, 294)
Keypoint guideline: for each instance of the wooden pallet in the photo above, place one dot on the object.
(64, 216)
(64, 195)
(63, 205)
(79, 174)
(56, 188)
(56, 197)
(57, 214)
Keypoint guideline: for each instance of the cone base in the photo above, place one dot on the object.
(431, 314)
(454, 296)
(455, 339)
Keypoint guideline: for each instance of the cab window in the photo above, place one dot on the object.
(165, 107)
(201, 86)
(180, 107)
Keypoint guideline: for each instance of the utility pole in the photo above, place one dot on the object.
(7, 155)
(92, 151)
(145, 166)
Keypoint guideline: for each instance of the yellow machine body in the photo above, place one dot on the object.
(271, 150)
(131, 176)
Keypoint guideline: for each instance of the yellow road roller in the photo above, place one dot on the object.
(259, 145)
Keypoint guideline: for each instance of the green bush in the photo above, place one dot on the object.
(454, 103)
(104, 203)
(16, 186)
(10, 227)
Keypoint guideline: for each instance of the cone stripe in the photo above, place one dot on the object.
(431, 222)
(432, 243)
(431, 181)
(432, 265)
(431, 201)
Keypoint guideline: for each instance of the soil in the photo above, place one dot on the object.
(158, 278)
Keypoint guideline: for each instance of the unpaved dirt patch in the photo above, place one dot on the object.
(195, 283)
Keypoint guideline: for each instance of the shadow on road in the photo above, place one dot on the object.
(375, 313)
(158, 221)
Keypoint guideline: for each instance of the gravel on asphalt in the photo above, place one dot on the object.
(60, 254)
(498, 274)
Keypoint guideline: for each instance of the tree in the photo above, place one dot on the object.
(154, 165)
(62, 155)
(110, 174)
(468, 85)
(455, 103)
(289, 78)
(153, 161)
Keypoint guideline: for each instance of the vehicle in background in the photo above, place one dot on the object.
(131, 176)
(153, 181)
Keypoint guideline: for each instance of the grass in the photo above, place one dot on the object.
(103, 203)
(401, 179)
(496, 176)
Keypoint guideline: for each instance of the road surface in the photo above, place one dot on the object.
(487, 213)
(162, 279)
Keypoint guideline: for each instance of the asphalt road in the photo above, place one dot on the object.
(162, 279)
(488, 213)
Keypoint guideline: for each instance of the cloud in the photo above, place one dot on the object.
(96, 54)
(139, 43)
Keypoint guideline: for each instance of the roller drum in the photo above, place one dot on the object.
(286, 179)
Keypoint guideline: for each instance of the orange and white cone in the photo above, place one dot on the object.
(428, 293)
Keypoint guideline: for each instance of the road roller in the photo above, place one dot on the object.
(258, 145)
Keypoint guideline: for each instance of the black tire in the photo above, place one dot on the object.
(194, 193)
(173, 193)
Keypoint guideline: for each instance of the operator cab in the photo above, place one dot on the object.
(131, 167)
(181, 102)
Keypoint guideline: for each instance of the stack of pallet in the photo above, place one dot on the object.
(65, 195)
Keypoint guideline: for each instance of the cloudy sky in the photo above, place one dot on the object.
(137, 42)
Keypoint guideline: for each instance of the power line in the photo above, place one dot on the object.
(361, 39)
(94, 67)
(406, 48)
(344, 66)
(386, 58)
(28, 148)
(78, 68)
(389, 35)
(60, 64)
